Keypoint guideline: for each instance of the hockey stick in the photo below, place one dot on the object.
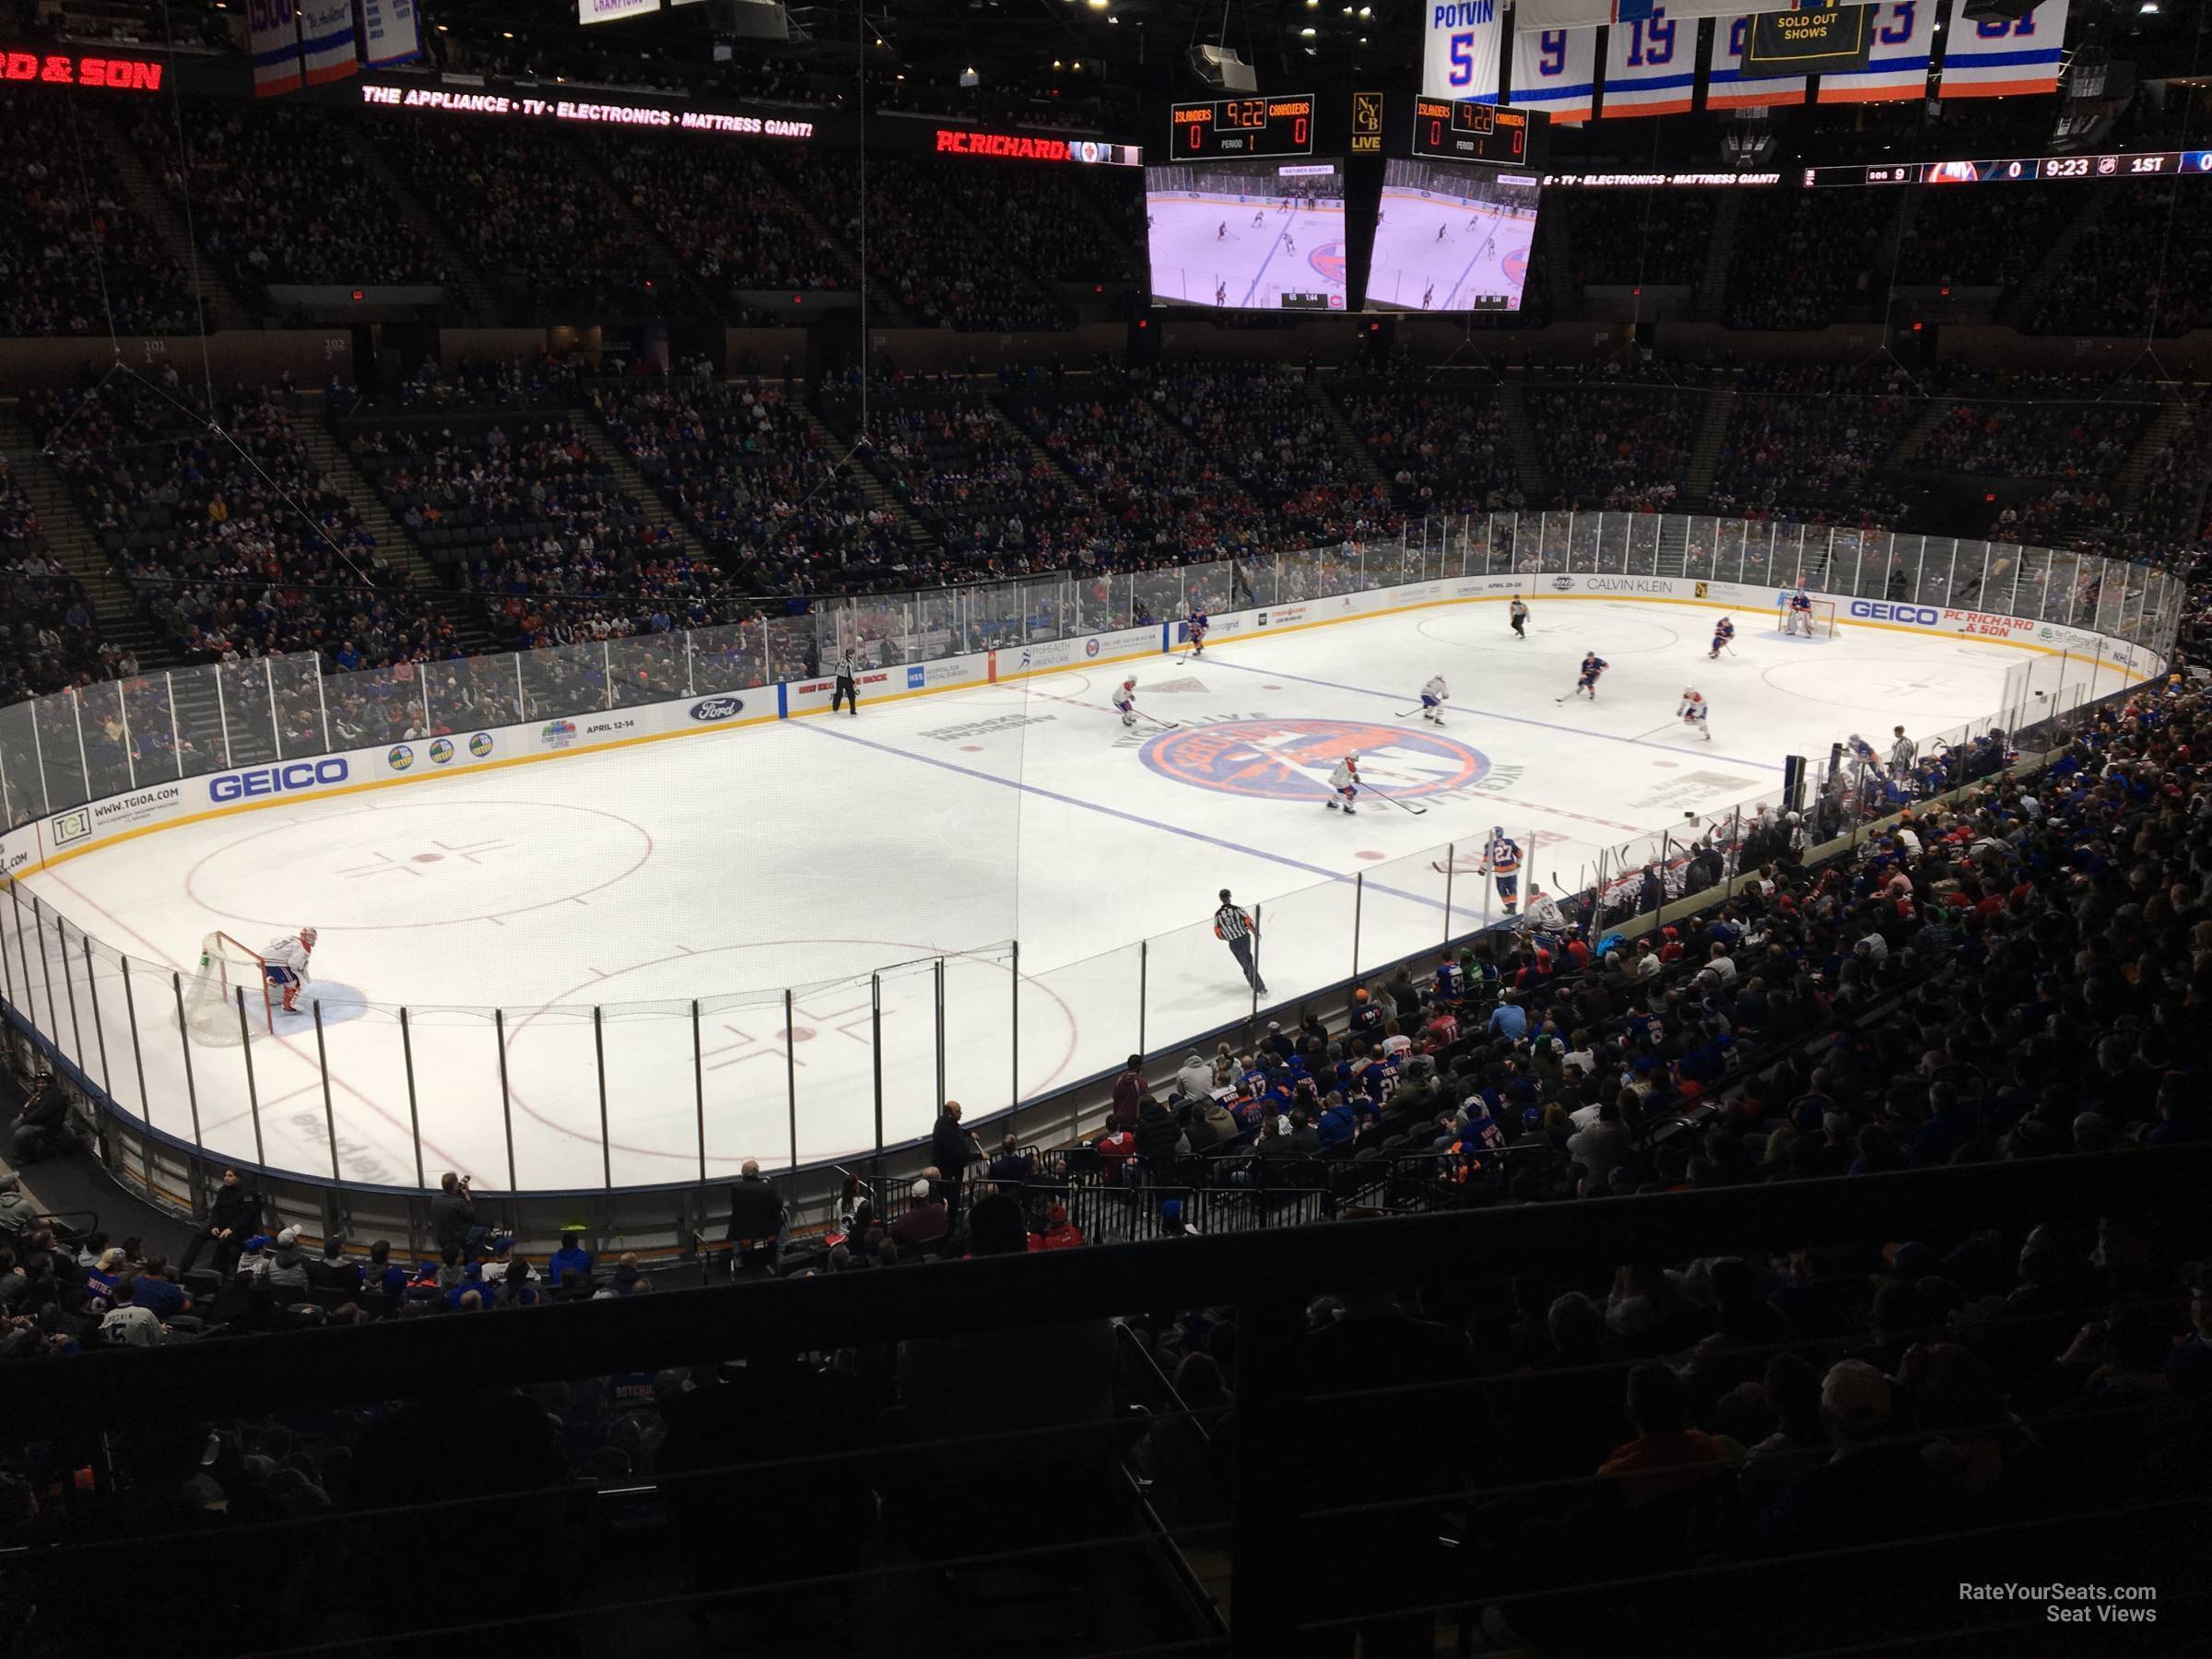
(1418, 811)
(1655, 732)
(1165, 725)
(1403, 713)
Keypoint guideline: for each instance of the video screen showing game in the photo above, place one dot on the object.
(1451, 237)
(1247, 235)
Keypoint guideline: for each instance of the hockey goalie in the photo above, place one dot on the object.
(284, 964)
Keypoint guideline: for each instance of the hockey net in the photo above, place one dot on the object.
(1822, 622)
(211, 999)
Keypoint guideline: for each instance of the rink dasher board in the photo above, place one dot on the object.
(59, 837)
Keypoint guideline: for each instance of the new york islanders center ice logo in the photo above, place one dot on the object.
(1291, 759)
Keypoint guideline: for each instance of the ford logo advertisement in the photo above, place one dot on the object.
(717, 708)
(276, 780)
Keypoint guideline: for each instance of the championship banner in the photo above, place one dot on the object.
(326, 41)
(1462, 50)
(1651, 65)
(1825, 40)
(1556, 70)
(391, 33)
(1730, 86)
(1999, 59)
(1897, 65)
(273, 29)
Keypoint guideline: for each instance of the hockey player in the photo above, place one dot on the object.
(1722, 631)
(1800, 618)
(1586, 676)
(1343, 783)
(1432, 699)
(1693, 713)
(1501, 858)
(284, 964)
(1199, 623)
(1519, 613)
(1221, 231)
(1860, 755)
(1124, 701)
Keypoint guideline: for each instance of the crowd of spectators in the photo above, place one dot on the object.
(1159, 493)
(1445, 449)
(1617, 445)
(726, 216)
(938, 268)
(775, 504)
(2145, 269)
(275, 199)
(75, 258)
(1985, 238)
(1807, 258)
(955, 463)
(1073, 224)
(46, 622)
(536, 526)
(2084, 443)
(1812, 434)
(1643, 236)
(514, 203)
(232, 538)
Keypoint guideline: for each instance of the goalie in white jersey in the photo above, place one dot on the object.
(1432, 700)
(284, 964)
(1694, 713)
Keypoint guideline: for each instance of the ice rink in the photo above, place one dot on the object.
(1482, 253)
(1210, 249)
(920, 839)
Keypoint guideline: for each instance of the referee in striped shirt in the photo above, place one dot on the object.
(1234, 927)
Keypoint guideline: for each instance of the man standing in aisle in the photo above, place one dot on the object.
(952, 1149)
(1233, 926)
(1518, 611)
(847, 695)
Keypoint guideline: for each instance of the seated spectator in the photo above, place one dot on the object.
(927, 1222)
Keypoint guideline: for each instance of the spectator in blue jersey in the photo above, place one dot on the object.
(571, 1257)
(152, 1288)
(472, 1284)
(1338, 1123)
(1367, 1019)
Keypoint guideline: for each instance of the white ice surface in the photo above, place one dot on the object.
(808, 853)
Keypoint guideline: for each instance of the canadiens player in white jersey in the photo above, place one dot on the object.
(1694, 713)
(1432, 699)
(1343, 783)
(284, 964)
(1124, 701)
(1722, 631)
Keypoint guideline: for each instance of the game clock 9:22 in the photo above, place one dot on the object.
(1225, 127)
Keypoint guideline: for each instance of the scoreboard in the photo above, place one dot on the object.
(1236, 128)
(2021, 169)
(1473, 132)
